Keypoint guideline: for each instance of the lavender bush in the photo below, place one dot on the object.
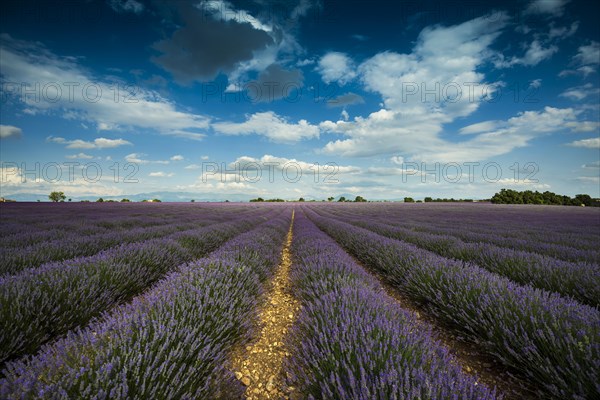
(552, 340)
(171, 343)
(351, 342)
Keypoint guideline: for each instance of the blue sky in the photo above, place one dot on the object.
(221, 99)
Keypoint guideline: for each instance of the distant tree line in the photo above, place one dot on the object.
(509, 196)
(444, 200)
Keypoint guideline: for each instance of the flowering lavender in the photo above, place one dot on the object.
(560, 232)
(552, 340)
(578, 280)
(351, 342)
(170, 343)
(87, 237)
(41, 303)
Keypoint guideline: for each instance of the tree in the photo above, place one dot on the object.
(69, 199)
(409, 200)
(57, 196)
(301, 199)
(192, 201)
(428, 199)
(342, 199)
(360, 199)
(156, 201)
(125, 200)
(100, 200)
(583, 199)
(330, 198)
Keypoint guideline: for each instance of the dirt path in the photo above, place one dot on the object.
(259, 365)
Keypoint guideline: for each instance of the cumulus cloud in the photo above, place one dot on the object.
(279, 163)
(336, 67)
(177, 157)
(99, 143)
(9, 131)
(592, 143)
(195, 53)
(445, 60)
(271, 126)
(214, 37)
(91, 98)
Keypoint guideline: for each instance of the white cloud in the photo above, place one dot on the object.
(592, 143)
(99, 143)
(535, 84)
(480, 127)
(279, 163)
(9, 131)
(547, 7)
(563, 32)
(398, 160)
(588, 54)
(583, 126)
(192, 166)
(177, 157)
(270, 125)
(336, 67)
(136, 158)
(160, 174)
(587, 60)
(535, 53)
(204, 158)
(127, 6)
(81, 156)
(92, 98)
(581, 92)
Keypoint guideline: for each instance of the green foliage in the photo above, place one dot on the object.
(100, 200)
(360, 199)
(509, 196)
(57, 196)
(409, 200)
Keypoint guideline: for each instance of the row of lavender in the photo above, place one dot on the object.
(351, 341)
(23, 218)
(579, 280)
(172, 342)
(39, 304)
(551, 340)
(549, 241)
(77, 241)
(38, 223)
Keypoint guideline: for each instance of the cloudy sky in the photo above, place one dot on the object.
(290, 98)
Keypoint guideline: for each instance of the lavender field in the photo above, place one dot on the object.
(299, 301)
